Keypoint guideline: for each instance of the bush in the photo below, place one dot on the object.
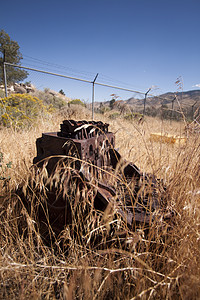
(76, 102)
(102, 109)
(114, 115)
(132, 116)
(2, 94)
(19, 110)
(49, 99)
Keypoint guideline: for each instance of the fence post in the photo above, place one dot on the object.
(93, 82)
(172, 114)
(4, 72)
(145, 97)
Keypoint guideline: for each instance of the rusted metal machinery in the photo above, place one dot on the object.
(81, 139)
(90, 147)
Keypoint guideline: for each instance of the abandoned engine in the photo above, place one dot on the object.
(90, 148)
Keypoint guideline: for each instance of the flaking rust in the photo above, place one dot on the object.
(90, 148)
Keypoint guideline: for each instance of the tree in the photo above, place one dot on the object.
(9, 50)
(112, 101)
(62, 92)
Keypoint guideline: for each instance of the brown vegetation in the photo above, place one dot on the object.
(161, 265)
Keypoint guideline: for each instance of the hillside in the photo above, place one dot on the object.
(187, 99)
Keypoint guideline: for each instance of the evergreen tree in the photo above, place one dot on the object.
(9, 50)
(62, 92)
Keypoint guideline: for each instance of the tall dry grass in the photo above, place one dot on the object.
(163, 264)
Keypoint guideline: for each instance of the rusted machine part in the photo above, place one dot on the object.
(82, 129)
(91, 142)
(87, 141)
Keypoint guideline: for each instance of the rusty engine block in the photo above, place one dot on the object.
(93, 148)
(83, 139)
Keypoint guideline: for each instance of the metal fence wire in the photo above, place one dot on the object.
(44, 83)
(43, 79)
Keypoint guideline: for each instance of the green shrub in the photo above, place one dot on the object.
(76, 102)
(57, 102)
(114, 115)
(102, 109)
(132, 116)
(2, 94)
(49, 99)
(19, 110)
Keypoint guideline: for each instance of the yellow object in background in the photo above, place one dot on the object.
(167, 138)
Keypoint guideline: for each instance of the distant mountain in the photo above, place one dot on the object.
(186, 99)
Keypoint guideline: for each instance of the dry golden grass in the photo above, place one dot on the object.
(165, 264)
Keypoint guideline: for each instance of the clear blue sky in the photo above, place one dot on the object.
(132, 43)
